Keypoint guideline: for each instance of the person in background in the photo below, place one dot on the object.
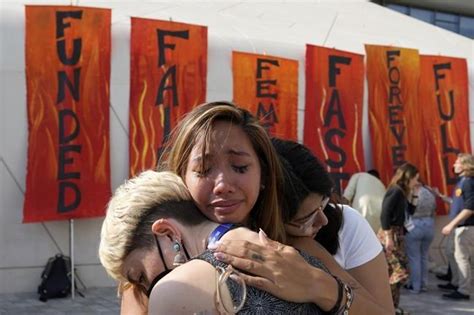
(418, 240)
(460, 230)
(365, 193)
(398, 200)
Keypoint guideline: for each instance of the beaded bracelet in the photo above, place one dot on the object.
(349, 299)
(340, 288)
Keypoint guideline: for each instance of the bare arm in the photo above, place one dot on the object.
(372, 294)
(373, 276)
(463, 215)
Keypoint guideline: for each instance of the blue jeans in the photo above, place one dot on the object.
(417, 244)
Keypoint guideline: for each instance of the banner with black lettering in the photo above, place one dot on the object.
(168, 78)
(444, 98)
(333, 115)
(394, 113)
(268, 87)
(68, 82)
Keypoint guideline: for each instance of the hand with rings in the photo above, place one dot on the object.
(274, 267)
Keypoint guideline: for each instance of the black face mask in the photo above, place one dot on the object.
(164, 272)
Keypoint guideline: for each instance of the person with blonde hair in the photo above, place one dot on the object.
(152, 229)
(398, 203)
(460, 230)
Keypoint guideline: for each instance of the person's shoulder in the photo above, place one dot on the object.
(469, 181)
(242, 233)
(352, 221)
(374, 180)
(359, 243)
(189, 288)
(394, 190)
(350, 213)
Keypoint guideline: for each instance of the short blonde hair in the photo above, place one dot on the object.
(132, 209)
(266, 214)
(467, 162)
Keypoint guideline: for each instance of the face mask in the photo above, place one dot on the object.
(164, 272)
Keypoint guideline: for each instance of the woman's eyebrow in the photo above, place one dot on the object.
(198, 158)
(237, 152)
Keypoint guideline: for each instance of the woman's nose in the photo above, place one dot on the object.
(320, 220)
(222, 184)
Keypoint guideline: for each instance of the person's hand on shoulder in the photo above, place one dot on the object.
(279, 270)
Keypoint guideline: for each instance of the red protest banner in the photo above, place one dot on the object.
(333, 115)
(444, 98)
(268, 87)
(394, 112)
(67, 78)
(168, 78)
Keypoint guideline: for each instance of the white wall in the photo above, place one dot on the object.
(276, 28)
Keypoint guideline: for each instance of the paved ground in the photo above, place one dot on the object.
(431, 302)
(104, 301)
(95, 301)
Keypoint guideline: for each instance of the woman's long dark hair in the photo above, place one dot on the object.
(403, 175)
(305, 174)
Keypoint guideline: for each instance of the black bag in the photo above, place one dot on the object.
(56, 281)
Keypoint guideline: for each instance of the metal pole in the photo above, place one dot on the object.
(71, 253)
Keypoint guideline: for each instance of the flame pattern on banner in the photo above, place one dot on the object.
(267, 86)
(68, 172)
(394, 113)
(332, 128)
(446, 130)
(168, 79)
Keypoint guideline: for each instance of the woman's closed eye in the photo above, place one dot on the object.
(240, 169)
(201, 172)
(306, 217)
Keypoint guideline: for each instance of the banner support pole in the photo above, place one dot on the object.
(71, 254)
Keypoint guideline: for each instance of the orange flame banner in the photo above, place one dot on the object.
(267, 86)
(168, 79)
(394, 112)
(333, 116)
(68, 77)
(444, 99)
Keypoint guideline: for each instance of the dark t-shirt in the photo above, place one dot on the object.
(463, 198)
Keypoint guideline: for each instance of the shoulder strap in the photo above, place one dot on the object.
(220, 231)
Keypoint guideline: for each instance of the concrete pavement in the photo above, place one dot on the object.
(104, 301)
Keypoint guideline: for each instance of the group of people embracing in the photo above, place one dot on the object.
(233, 221)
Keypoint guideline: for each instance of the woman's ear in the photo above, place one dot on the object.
(166, 227)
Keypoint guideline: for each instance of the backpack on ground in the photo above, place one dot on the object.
(56, 278)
